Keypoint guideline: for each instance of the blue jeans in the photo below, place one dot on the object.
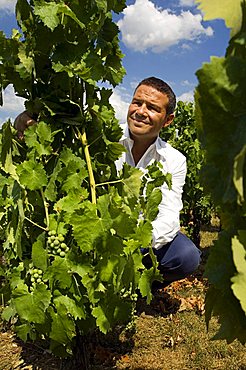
(177, 259)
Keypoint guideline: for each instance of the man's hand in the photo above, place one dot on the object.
(22, 121)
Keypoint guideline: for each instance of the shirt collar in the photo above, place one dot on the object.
(159, 143)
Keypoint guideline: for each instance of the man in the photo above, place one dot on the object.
(152, 108)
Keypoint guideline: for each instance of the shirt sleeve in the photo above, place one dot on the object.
(166, 225)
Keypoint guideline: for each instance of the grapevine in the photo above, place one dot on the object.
(221, 117)
(70, 227)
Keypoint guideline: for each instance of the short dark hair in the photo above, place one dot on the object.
(163, 87)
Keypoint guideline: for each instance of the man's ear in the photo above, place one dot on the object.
(169, 119)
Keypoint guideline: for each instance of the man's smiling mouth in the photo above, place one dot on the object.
(140, 120)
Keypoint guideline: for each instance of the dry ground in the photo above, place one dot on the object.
(170, 334)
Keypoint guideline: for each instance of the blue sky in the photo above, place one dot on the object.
(163, 38)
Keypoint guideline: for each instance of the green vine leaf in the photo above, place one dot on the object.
(62, 326)
(231, 12)
(49, 13)
(239, 258)
(132, 181)
(87, 226)
(32, 175)
(27, 64)
(146, 280)
(72, 201)
(73, 307)
(106, 268)
(110, 311)
(39, 253)
(25, 331)
(37, 302)
(144, 233)
(238, 174)
(100, 313)
(152, 204)
(58, 274)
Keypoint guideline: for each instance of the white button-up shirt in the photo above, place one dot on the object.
(166, 225)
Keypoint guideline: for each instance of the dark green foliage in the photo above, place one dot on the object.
(221, 115)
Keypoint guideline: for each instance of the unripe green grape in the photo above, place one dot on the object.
(56, 242)
(32, 279)
(63, 245)
(58, 251)
(52, 232)
(60, 237)
(39, 280)
(52, 245)
(67, 249)
(31, 272)
(35, 271)
(62, 254)
(36, 275)
(40, 272)
(56, 247)
(52, 237)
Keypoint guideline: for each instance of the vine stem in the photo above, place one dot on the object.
(34, 223)
(84, 142)
(109, 182)
(46, 205)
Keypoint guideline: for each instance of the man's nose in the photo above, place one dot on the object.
(142, 109)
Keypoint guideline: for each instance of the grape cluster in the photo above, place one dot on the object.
(56, 244)
(36, 277)
(129, 295)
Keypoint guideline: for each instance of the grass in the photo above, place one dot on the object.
(180, 343)
(170, 334)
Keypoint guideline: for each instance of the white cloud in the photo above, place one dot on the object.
(8, 5)
(187, 83)
(187, 2)
(186, 97)
(145, 26)
(186, 47)
(120, 101)
(13, 105)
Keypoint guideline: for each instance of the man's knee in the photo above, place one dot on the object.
(190, 258)
(181, 260)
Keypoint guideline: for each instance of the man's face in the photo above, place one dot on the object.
(147, 113)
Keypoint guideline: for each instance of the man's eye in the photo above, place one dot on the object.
(137, 103)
